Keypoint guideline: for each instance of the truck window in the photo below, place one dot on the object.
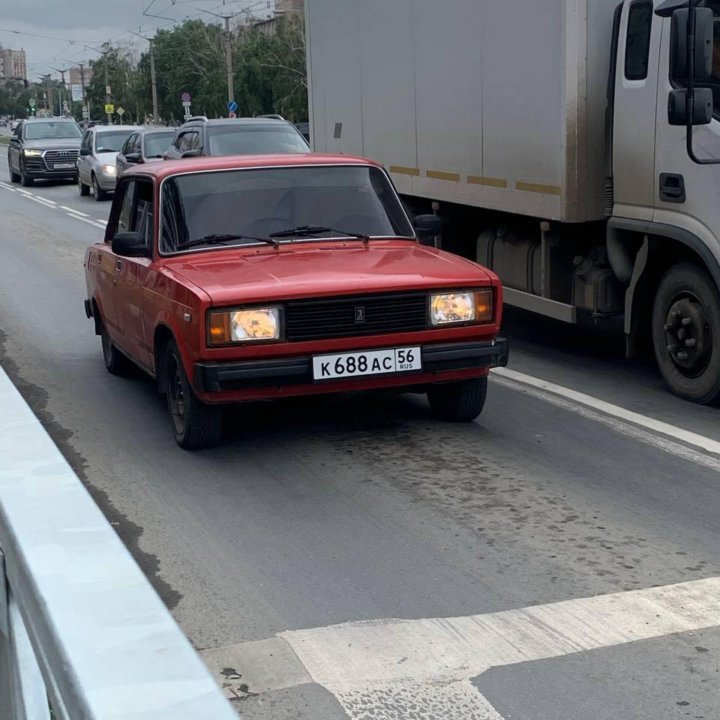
(637, 49)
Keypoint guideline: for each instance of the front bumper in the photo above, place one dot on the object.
(106, 181)
(212, 377)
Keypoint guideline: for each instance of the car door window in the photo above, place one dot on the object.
(143, 213)
(126, 210)
(87, 142)
(128, 145)
(187, 141)
(137, 144)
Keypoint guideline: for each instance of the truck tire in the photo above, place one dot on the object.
(115, 362)
(195, 425)
(460, 401)
(686, 333)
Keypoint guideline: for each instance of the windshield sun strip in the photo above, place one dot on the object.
(275, 167)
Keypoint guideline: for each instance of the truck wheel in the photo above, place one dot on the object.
(460, 401)
(686, 333)
(84, 189)
(195, 425)
(99, 193)
(115, 362)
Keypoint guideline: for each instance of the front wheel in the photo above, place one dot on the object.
(686, 333)
(460, 401)
(82, 187)
(99, 193)
(25, 180)
(195, 425)
(14, 177)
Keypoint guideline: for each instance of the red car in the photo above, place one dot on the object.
(251, 278)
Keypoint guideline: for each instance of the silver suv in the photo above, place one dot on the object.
(98, 154)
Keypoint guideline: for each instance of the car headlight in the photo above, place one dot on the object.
(108, 169)
(242, 325)
(461, 307)
(32, 153)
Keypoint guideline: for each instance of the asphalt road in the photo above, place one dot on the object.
(316, 513)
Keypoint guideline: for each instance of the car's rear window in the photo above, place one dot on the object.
(255, 140)
(52, 131)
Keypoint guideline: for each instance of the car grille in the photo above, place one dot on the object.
(326, 318)
(55, 157)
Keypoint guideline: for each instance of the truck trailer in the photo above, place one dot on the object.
(550, 136)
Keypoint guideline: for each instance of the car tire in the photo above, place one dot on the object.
(460, 401)
(115, 362)
(84, 189)
(686, 333)
(195, 425)
(25, 181)
(14, 177)
(99, 193)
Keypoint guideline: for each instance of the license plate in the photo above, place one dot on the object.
(64, 166)
(370, 362)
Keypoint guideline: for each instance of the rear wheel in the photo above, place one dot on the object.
(99, 193)
(115, 362)
(686, 333)
(460, 401)
(195, 425)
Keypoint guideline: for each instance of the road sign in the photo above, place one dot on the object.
(109, 108)
(232, 106)
(66, 107)
(185, 97)
(120, 111)
(31, 102)
(77, 94)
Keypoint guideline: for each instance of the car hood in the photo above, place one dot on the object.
(53, 144)
(234, 276)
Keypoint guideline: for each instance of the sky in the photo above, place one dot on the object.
(70, 29)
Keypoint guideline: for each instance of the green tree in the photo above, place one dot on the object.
(116, 66)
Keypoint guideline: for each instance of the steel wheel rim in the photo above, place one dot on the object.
(688, 335)
(176, 396)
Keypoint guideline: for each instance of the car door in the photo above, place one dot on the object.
(121, 163)
(131, 272)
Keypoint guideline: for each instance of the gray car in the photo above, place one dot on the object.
(145, 144)
(97, 162)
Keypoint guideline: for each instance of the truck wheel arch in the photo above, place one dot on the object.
(650, 262)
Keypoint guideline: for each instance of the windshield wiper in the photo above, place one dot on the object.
(218, 239)
(308, 230)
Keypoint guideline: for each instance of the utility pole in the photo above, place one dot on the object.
(85, 107)
(48, 94)
(228, 51)
(153, 78)
(62, 88)
(107, 91)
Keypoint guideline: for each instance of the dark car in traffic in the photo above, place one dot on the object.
(44, 148)
(146, 144)
(237, 136)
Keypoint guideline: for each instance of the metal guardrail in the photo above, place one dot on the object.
(81, 629)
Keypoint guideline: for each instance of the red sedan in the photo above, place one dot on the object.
(245, 278)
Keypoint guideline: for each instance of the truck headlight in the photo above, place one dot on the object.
(242, 325)
(108, 169)
(461, 307)
(32, 153)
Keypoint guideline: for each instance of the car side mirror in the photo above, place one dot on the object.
(702, 107)
(192, 153)
(130, 244)
(133, 158)
(427, 227)
(84, 151)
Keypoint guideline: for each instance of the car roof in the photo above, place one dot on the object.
(168, 168)
(50, 119)
(237, 121)
(110, 128)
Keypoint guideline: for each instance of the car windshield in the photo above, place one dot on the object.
(157, 143)
(111, 141)
(52, 130)
(255, 140)
(258, 202)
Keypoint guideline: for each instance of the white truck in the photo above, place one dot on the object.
(551, 136)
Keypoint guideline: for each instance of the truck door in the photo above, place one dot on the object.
(634, 116)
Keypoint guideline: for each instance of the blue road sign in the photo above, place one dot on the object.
(232, 106)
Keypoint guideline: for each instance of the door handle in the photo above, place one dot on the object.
(118, 265)
(672, 188)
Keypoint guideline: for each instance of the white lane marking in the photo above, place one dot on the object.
(657, 426)
(25, 192)
(73, 210)
(45, 200)
(86, 220)
(102, 222)
(42, 201)
(7, 187)
(402, 669)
